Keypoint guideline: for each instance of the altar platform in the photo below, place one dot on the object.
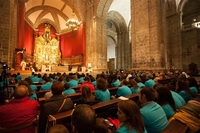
(21, 72)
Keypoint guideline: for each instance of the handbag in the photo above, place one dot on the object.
(48, 124)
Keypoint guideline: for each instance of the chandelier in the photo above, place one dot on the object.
(73, 24)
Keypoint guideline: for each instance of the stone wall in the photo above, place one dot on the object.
(8, 30)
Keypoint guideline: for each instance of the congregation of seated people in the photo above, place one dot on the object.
(159, 102)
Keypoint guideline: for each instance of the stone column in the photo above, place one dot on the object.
(147, 34)
(8, 29)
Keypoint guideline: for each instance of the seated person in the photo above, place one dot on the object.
(73, 82)
(154, 117)
(165, 100)
(149, 81)
(130, 118)
(193, 86)
(102, 93)
(124, 90)
(33, 87)
(139, 82)
(31, 93)
(20, 110)
(83, 119)
(47, 85)
(68, 90)
(18, 77)
(115, 81)
(88, 83)
(101, 126)
(55, 104)
(133, 86)
(87, 97)
(183, 90)
(178, 99)
(58, 128)
(36, 79)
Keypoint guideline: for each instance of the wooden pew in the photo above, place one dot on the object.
(165, 81)
(41, 93)
(74, 97)
(65, 117)
(176, 126)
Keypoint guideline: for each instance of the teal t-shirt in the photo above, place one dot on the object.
(102, 96)
(69, 91)
(154, 117)
(116, 83)
(168, 110)
(140, 84)
(46, 86)
(185, 95)
(81, 79)
(123, 129)
(123, 91)
(179, 101)
(135, 90)
(73, 83)
(194, 90)
(150, 83)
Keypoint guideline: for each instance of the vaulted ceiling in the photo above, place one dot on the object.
(57, 12)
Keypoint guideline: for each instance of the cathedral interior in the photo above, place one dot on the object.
(113, 34)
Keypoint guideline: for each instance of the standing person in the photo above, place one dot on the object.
(83, 119)
(130, 118)
(23, 65)
(154, 117)
(55, 104)
(21, 110)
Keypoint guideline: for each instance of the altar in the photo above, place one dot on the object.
(59, 68)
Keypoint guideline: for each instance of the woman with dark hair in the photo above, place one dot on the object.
(139, 82)
(33, 87)
(134, 86)
(87, 97)
(102, 93)
(115, 81)
(192, 83)
(183, 89)
(165, 100)
(130, 118)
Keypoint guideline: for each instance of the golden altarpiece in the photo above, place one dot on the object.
(47, 50)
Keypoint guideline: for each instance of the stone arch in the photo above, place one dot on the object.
(190, 32)
(123, 47)
(181, 5)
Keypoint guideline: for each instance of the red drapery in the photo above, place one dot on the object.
(20, 24)
(29, 39)
(73, 43)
